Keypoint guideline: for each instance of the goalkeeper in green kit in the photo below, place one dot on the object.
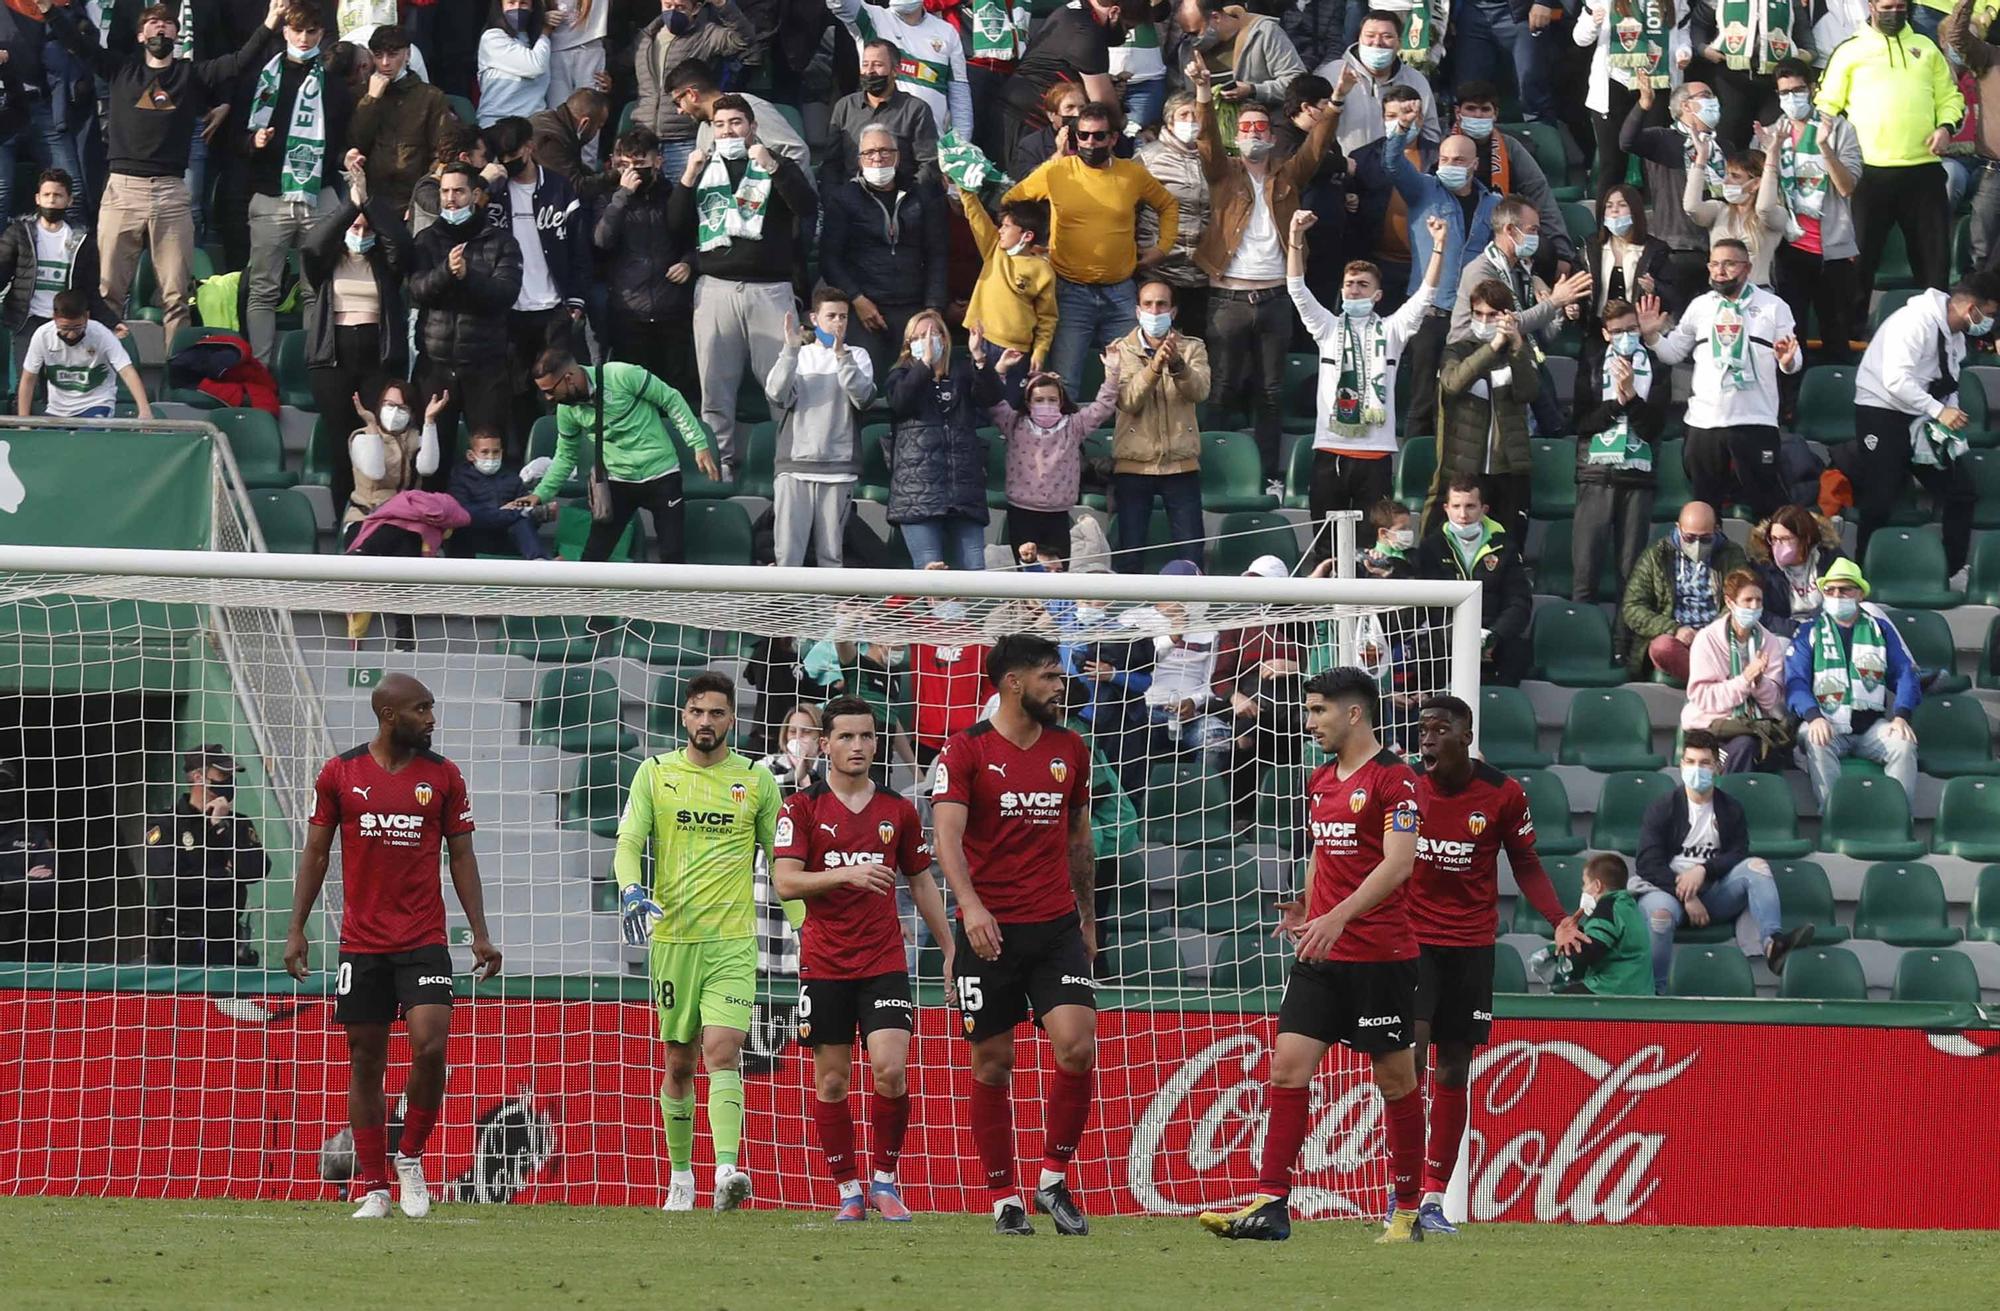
(707, 812)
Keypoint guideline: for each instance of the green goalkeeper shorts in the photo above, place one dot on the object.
(698, 984)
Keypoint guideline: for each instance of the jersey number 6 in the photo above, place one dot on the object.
(969, 996)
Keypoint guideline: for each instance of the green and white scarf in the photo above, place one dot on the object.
(1361, 381)
(1729, 342)
(1638, 46)
(993, 33)
(722, 212)
(183, 28)
(966, 165)
(1423, 25)
(1619, 446)
(1858, 679)
(1934, 445)
(1801, 176)
(1754, 34)
(1689, 153)
(305, 135)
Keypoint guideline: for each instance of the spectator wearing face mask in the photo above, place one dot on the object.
(1851, 682)
(1736, 682)
(1625, 260)
(397, 125)
(44, 253)
(484, 483)
(1072, 44)
(1675, 591)
(1013, 305)
(458, 143)
(1509, 168)
(1751, 208)
(880, 103)
(1247, 54)
(388, 454)
(937, 459)
(83, 362)
(1819, 165)
(565, 142)
(648, 268)
(1736, 46)
(465, 274)
(1156, 448)
(1692, 111)
(513, 61)
(1486, 385)
(1982, 59)
(885, 240)
(797, 764)
(1045, 452)
(686, 31)
(931, 59)
(1621, 414)
(1642, 32)
(1469, 546)
(1174, 158)
(1790, 551)
(820, 384)
(1455, 194)
(1377, 67)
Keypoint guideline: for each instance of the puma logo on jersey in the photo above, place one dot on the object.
(1001, 770)
(829, 828)
(361, 792)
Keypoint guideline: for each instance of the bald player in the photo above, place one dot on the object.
(395, 803)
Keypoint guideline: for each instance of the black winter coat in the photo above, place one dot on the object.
(320, 254)
(937, 461)
(636, 246)
(463, 321)
(891, 248)
(17, 262)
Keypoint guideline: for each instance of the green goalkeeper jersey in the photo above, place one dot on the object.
(706, 827)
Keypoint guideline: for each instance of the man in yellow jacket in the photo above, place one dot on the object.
(1894, 85)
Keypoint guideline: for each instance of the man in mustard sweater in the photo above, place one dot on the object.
(1894, 86)
(1095, 245)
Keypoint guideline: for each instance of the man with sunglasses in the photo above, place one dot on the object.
(1676, 590)
(1741, 337)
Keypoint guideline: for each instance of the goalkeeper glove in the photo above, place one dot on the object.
(640, 913)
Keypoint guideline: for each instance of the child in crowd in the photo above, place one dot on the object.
(1395, 538)
(1045, 450)
(1615, 956)
(1013, 305)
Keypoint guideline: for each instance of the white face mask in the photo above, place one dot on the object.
(879, 175)
(487, 466)
(299, 54)
(923, 349)
(1468, 532)
(1021, 247)
(395, 418)
(731, 147)
(1186, 132)
(800, 748)
(1586, 904)
(1402, 538)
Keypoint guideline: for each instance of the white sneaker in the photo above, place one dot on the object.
(732, 1188)
(680, 1195)
(375, 1206)
(412, 1193)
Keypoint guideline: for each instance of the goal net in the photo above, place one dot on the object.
(151, 1043)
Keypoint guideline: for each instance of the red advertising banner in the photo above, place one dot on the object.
(152, 1094)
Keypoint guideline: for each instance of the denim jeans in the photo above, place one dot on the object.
(1896, 755)
(1132, 506)
(1750, 886)
(1494, 46)
(1984, 181)
(954, 539)
(1144, 100)
(1093, 315)
(51, 146)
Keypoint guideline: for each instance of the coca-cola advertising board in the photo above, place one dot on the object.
(1621, 1122)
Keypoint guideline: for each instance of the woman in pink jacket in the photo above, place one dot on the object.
(1045, 451)
(1736, 681)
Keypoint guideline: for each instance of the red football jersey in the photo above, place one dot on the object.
(950, 689)
(1350, 817)
(1018, 807)
(848, 933)
(392, 832)
(1455, 891)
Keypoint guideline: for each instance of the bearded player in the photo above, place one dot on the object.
(1010, 817)
(841, 846)
(1355, 979)
(393, 802)
(706, 812)
(1470, 812)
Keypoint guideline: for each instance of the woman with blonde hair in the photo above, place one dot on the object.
(1752, 208)
(937, 459)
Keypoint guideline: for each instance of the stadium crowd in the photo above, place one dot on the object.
(551, 255)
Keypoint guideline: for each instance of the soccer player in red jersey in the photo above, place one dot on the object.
(1470, 812)
(394, 803)
(1010, 815)
(840, 846)
(1355, 979)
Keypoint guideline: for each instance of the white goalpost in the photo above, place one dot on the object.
(160, 1050)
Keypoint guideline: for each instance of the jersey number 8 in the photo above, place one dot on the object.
(969, 996)
(666, 994)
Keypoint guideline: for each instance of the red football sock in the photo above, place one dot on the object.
(993, 1135)
(836, 1138)
(1068, 1113)
(417, 1125)
(1291, 1110)
(1406, 1150)
(371, 1159)
(1448, 1110)
(888, 1124)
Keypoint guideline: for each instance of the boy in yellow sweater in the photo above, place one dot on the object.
(1013, 304)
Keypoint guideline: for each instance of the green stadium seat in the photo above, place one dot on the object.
(294, 384)
(1298, 475)
(1868, 818)
(1510, 973)
(1705, 971)
(718, 532)
(1302, 384)
(1553, 485)
(1940, 976)
(554, 638)
(1243, 535)
(1566, 873)
(1953, 737)
(660, 644)
(875, 442)
(1671, 490)
(1894, 269)
(1929, 639)
(598, 799)
(256, 444)
(1905, 567)
(1609, 730)
(1281, 807)
(1554, 565)
(1826, 404)
(1573, 646)
(1772, 815)
(573, 534)
(1979, 431)
(1961, 247)
(1983, 468)
(752, 404)
(1507, 730)
(542, 437)
(1548, 803)
(1148, 960)
(1187, 804)
(1823, 974)
(996, 468)
(1249, 962)
(1886, 304)
(1805, 896)
(577, 709)
(1545, 143)
(1579, 220)
(1903, 904)
(1416, 465)
(285, 517)
(758, 476)
(1983, 918)
(1988, 677)
(1621, 809)
(1968, 819)
(1232, 473)
(462, 107)
(1215, 872)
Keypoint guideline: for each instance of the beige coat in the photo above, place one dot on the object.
(1158, 432)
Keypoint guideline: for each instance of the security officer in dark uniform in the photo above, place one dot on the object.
(27, 877)
(201, 861)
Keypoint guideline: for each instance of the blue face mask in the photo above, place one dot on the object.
(1708, 110)
(1357, 307)
(1796, 104)
(1618, 224)
(1526, 244)
(825, 337)
(1842, 609)
(1625, 343)
(456, 217)
(1454, 176)
(1156, 325)
(1977, 327)
(360, 244)
(1377, 58)
(1477, 128)
(1697, 778)
(1747, 617)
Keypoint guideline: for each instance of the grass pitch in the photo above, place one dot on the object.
(129, 1254)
